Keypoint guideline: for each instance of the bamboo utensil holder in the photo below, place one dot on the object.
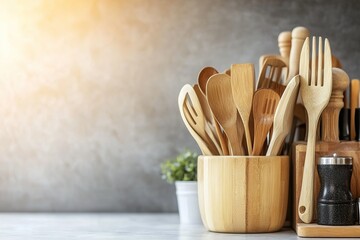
(243, 194)
(351, 149)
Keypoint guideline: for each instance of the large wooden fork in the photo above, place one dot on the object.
(315, 91)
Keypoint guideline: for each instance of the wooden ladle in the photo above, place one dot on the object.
(264, 105)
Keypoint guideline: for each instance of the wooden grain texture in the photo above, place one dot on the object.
(315, 92)
(315, 230)
(348, 148)
(330, 115)
(243, 194)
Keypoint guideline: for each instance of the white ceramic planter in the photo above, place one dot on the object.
(187, 197)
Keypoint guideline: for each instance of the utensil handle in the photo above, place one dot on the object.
(306, 201)
(248, 137)
(235, 143)
(275, 145)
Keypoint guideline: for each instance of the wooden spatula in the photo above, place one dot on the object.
(264, 106)
(242, 87)
(283, 117)
(218, 93)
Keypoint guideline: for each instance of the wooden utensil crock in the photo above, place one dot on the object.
(243, 194)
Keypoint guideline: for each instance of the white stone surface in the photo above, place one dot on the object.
(14, 226)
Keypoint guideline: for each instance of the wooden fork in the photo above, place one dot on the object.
(315, 91)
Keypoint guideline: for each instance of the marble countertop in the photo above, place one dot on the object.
(107, 226)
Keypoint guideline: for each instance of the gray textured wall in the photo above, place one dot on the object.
(88, 94)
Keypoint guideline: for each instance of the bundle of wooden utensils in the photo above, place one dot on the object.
(227, 116)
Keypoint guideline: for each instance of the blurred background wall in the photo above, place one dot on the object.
(88, 89)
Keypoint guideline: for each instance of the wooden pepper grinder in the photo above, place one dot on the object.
(284, 42)
(298, 36)
(330, 115)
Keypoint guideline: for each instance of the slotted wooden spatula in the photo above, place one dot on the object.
(194, 120)
(264, 106)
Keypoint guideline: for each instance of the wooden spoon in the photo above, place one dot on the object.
(264, 106)
(204, 76)
(242, 87)
(193, 119)
(283, 117)
(218, 92)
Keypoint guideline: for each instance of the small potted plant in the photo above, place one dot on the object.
(183, 171)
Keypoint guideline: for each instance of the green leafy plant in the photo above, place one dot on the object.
(181, 168)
